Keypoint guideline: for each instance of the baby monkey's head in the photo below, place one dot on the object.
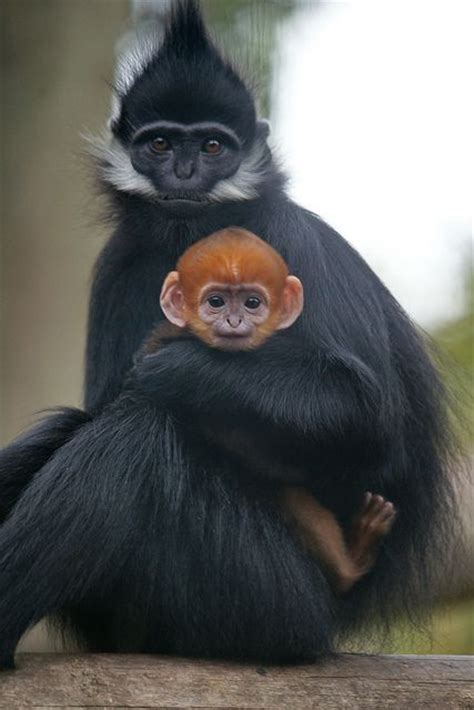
(232, 290)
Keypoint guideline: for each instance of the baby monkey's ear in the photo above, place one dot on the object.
(172, 300)
(292, 302)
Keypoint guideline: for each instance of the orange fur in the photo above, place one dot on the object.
(232, 259)
(231, 256)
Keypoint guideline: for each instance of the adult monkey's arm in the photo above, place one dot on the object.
(282, 382)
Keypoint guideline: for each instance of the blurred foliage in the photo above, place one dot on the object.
(456, 340)
(247, 30)
(450, 630)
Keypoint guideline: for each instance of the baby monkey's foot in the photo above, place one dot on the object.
(371, 524)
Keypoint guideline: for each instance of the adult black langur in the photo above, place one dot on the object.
(169, 551)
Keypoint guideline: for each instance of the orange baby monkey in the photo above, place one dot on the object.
(233, 291)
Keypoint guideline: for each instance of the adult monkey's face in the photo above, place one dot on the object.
(185, 161)
(184, 129)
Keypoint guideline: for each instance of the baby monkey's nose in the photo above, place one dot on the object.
(234, 321)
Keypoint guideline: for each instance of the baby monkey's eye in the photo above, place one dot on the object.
(159, 144)
(215, 301)
(253, 302)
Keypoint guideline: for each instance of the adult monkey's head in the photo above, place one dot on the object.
(184, 130)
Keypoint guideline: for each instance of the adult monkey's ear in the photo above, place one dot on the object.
(172, 300)
(263, 128)
(292, 302)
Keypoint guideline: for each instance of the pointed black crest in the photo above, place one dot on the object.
(186, 79)
(186, 32)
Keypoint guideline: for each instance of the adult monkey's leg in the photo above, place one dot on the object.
(67, 532)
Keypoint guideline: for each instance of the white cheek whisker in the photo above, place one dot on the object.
(116, 168)
(243, 185)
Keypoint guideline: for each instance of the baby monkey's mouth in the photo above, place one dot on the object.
(233, 341)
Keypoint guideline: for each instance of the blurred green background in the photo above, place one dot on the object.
(360, 120)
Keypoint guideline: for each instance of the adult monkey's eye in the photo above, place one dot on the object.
(252, 302)
(215, 301)
(159, 145)
(212, 146)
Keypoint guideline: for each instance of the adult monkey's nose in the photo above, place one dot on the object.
(184, 169)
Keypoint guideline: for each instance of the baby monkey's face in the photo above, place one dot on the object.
(234, 315)
(232, 291)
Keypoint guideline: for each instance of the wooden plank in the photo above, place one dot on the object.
(140, 681)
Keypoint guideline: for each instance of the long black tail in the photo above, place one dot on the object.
(20, 460)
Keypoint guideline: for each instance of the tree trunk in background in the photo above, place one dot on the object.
(57, 62)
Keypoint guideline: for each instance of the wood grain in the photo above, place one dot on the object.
(139, 681)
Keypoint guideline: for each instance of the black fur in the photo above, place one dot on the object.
(145, 539)
(188, 81)
(28, 453)
(134, 536)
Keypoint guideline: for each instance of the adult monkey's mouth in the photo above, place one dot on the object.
(183, 204)
(182, 197)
